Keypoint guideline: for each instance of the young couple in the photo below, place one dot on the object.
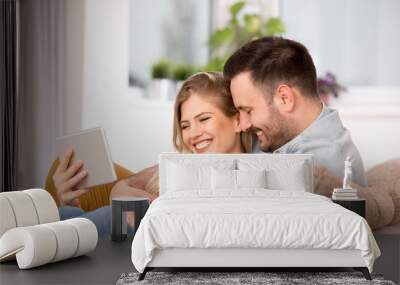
(268, 91)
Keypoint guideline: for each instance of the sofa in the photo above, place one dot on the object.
(382, 210)
(99, 196)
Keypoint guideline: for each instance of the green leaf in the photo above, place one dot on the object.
(233, 22)
(236, 7)
(252, 23)
(182, 71)
(221, 37)
(275, 26)
(214, 64)
(239, 30)
(161, 69)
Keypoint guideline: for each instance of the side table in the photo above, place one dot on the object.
(355, 205)
(120, 207)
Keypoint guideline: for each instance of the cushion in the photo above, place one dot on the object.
(45, 206)
(282, 175)
(236, 179)
(223, 179)
(251, 178)
(188, 175)
(384, 178)
(23, 208)
(7, 220)
(285, 165)
(292, 179)
(181, 178)
(26, 208)
(40, 244)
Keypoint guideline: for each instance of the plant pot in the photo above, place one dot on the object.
(161, 89)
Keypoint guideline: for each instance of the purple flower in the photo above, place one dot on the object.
(327, 85)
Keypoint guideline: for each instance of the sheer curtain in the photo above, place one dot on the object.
(42, 35)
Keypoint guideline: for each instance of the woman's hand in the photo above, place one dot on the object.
(67, 177)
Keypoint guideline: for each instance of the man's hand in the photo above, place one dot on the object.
(141, 179)
(67, 177)
(122, 188)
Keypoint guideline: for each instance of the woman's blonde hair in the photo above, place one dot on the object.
(212, 85)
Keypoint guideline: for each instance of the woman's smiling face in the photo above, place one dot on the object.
(205, 128)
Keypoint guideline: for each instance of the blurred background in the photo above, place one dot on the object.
(118, 64)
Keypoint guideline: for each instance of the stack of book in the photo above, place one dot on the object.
(344, 194)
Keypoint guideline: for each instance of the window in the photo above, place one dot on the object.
(357, 40)
(174, 29)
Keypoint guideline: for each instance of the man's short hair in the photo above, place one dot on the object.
(272, 61)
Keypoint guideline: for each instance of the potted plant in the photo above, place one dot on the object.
(244, 27)
(239, 30)
(161, 86)
(182, 72)
(215, 64)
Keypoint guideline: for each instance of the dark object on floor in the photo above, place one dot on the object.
(356, 206)
(172, 278)
(120, 206)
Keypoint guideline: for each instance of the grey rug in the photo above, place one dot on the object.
(228, 278)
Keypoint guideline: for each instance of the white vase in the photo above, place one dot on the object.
(161, 89)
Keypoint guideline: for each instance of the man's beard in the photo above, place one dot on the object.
(278, 133)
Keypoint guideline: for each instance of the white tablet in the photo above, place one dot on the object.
(92, 148)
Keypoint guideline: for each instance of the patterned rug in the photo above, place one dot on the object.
(228, 278)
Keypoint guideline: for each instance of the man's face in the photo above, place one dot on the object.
(259, 114)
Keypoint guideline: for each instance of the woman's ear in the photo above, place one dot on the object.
(285, 98)
(236, 121)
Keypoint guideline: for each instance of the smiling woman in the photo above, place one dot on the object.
(205, 121)
(205, 118)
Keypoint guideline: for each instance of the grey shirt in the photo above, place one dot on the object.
(330, 143)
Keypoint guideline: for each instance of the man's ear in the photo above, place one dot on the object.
(284, 98)
(237, 127)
